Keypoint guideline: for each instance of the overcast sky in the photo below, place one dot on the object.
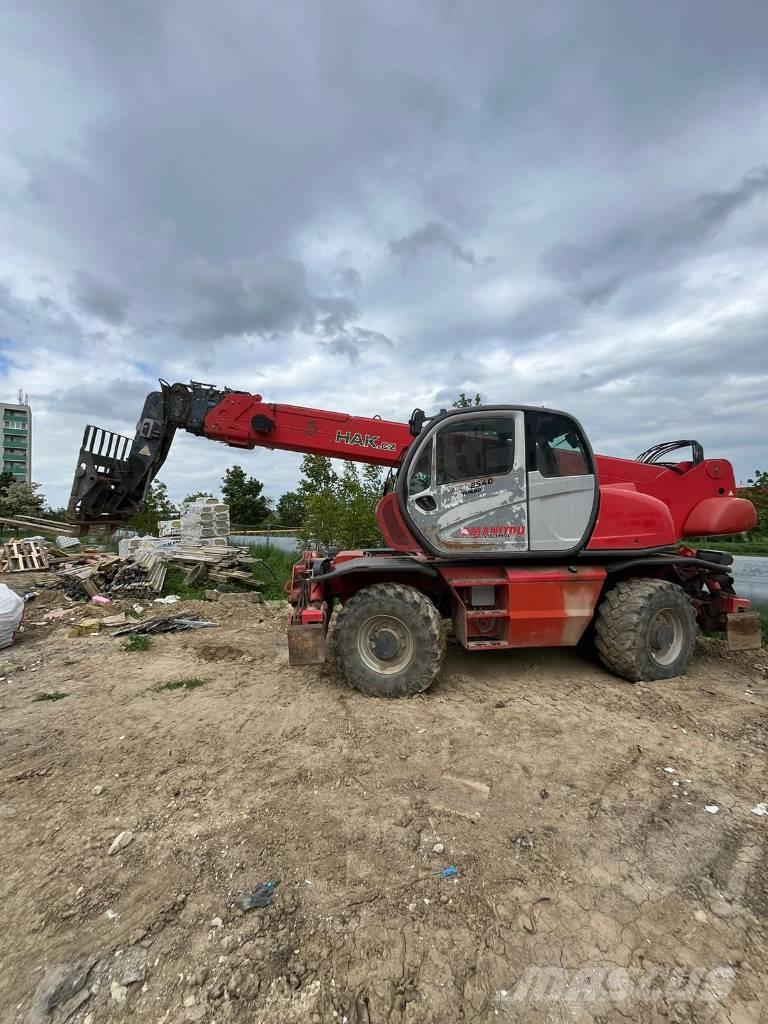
(370, 206)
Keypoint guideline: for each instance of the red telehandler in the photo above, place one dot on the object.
(498, 517)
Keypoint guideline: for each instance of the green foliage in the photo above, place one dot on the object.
(758, 495)
(19, 499)
(50, 695)
(276, 570)
(174, 584)
(195, 495)
(157, 506)
(463, 402)
(59, 514)
(760, 479)
(247, 505)
(340, 510)
(6, 479)
(318, 488)
(137, 642)
(291, 509)
(188, 683)
(359, 494)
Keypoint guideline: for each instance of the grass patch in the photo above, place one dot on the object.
(137, 642)
(174, 584)
(277, 568)
(756, 547)
(190, 683)
(51, 695)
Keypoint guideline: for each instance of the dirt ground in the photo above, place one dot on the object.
(572, 805)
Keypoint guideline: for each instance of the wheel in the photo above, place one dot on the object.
(646, 629)
(389, 641)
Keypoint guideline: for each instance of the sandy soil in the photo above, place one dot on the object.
(571, 804)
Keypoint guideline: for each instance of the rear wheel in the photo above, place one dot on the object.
(646, 630)
(389, 641)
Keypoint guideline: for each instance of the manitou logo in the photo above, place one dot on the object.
(364, 441)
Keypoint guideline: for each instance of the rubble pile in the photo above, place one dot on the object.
(197, 542)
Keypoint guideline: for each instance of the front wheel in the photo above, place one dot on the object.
(646, 630)
(389, 641)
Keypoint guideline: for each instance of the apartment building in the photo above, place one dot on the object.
(16, 420)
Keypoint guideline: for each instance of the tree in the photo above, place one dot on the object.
(757, 493)
(21, 499)
(247, 505)
(6, 479)
(291, 509)
(318, 489)
(462, 402)
(157, 506)
(340, 510)
(195, 495)
(359, 494)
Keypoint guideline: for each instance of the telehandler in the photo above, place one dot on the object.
(499, 517)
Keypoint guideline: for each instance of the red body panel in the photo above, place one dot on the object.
(627, 518)
(392, 524)
(674, 493)
(715, 516)
(537, 607)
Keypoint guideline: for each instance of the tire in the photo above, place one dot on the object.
(389, 641)
(646, 630)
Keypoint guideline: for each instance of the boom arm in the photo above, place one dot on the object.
(114, 473)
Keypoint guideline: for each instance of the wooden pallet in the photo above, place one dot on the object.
(24, 555)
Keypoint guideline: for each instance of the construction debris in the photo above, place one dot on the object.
(196, 542)
(165, 625)
(53, 526)
(23, 555)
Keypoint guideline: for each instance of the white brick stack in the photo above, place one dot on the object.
(169, 528)
(205, 521)
(130, 546)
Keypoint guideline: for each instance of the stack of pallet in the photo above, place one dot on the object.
(221, 564)
(24, 556)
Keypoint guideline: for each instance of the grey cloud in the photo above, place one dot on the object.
(226, 214)
(112, 401)
(710, 211)
(353, 342)
(99, 298)
(595, 270)
(349, 277)
(432, 235)
(263, 296)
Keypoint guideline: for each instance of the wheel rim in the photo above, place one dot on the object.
(666, 636)
(385, 644)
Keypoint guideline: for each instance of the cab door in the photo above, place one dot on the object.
(562, 482)
(466, 486)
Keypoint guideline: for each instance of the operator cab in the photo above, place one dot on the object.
(499, 481)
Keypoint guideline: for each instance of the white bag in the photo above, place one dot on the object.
(11, 610)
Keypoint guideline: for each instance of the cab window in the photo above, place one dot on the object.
(555, 446)
(475, 448)
(421, 473)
